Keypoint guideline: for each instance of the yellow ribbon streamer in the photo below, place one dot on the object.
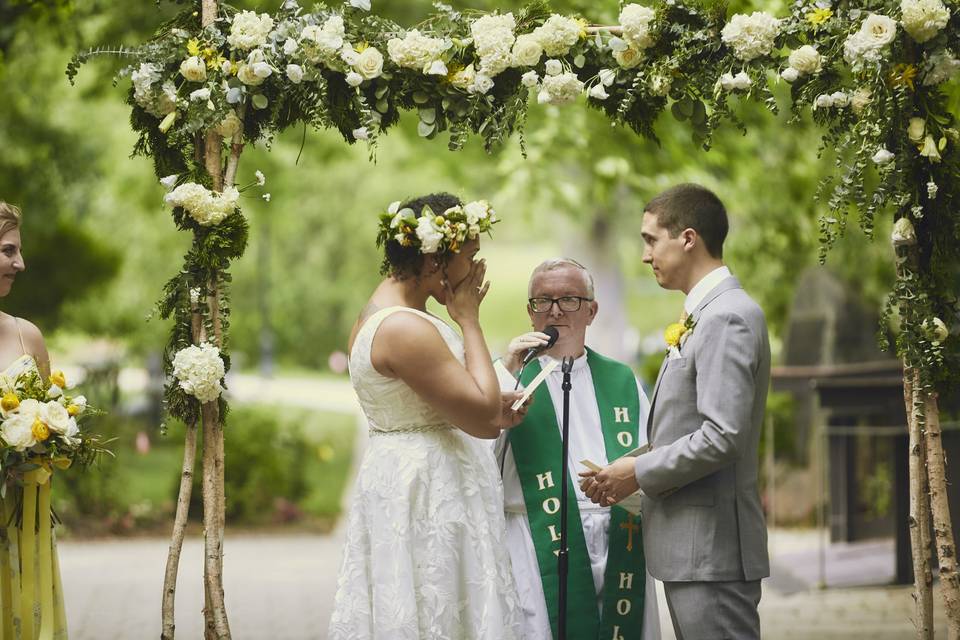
(8, 540)
(28, 544)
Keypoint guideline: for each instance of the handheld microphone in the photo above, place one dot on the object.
(533, 352)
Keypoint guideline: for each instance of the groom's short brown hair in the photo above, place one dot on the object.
(690, 206)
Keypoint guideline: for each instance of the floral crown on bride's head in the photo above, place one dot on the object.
(433, 232)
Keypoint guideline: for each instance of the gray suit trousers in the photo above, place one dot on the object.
(714, 610)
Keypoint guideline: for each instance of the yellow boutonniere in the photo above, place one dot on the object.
(675, 333)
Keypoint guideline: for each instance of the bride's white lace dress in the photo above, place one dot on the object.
(425, 555)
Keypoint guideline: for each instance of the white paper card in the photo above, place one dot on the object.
(535, 383)
(632, 502)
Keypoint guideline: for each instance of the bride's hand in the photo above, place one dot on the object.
(508, 417)
(463, 302)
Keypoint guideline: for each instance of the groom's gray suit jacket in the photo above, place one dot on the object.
(702, 519)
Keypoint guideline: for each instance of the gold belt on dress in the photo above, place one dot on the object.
(420, 428)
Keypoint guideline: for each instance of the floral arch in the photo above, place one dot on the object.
(875, 75)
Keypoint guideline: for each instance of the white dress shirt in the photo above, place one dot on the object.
(705, 286)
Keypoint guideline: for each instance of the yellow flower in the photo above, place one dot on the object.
(674, 333)
(360, 48)
(40, 430)
(73, 410)
(583, 27)
(193, 47)
(439, 221)
(58, 379)
(903, 75)
(10, 401)
(819, 15)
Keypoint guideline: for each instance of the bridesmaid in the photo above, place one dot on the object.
(21, 349)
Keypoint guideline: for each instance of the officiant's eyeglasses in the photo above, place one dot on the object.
(566, 303)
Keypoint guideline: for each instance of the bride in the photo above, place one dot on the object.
(425, 555)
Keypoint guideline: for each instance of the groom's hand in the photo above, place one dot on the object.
(611, 484)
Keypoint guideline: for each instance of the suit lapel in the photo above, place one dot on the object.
(726, 285)
(653, 396)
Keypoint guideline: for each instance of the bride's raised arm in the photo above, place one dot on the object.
(468, 396)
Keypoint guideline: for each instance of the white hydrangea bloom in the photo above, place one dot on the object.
(415, 50)
(635, 20)
(493, 39)
(559, 89)
(923, 19)
(199, 371)
(558, 34)
(201, 204)
(751, 36)
(328, 38)
(940, 67)
(249, 30)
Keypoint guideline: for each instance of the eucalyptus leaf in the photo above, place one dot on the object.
(428, 116)
(420, 97)
(426, 129)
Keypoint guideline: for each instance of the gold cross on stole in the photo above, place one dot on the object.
(630, 526)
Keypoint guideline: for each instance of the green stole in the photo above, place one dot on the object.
(537, 449)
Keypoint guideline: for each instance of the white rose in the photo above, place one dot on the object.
(17, 432)
(923, 19)
(553, 67)
(878, 30)
(526, 51)
(230, 125)
(882, 156)
(435, 68)
(839, 99)
(248, 76)
(295, 73)
(806, 60)
(71, 433)
(55, 416)
(628, 58)
(739, 82)
(369, 63)
(193, 69)
(530, 79)
(464, 78)
(860, 99)
(349, 55)
(289, 46)
(354, 79)
(598, 92)
(430, 236)
(916, 129)
(482, 83)
(200, 94)
(790, 74)
(560, 89)
(823, 101)
(635, 20)
(262, 70)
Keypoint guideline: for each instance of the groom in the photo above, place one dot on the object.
(703, 529)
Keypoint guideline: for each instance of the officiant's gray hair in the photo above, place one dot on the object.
(562, 263)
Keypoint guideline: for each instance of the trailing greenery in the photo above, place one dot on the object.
(872, 73)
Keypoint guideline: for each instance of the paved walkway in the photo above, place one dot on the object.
(281, 587)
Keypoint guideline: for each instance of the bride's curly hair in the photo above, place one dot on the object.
(403, 262)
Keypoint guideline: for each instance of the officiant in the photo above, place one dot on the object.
(610, 594)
